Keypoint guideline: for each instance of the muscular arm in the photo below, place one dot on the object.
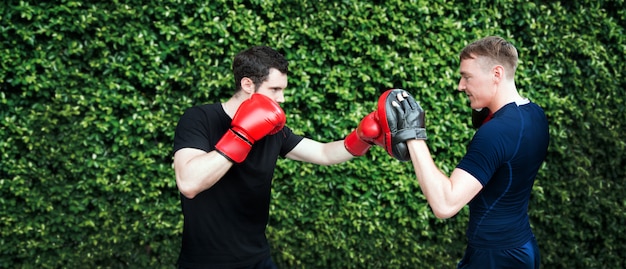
(197, 170)
(446, 195)
(320, 153)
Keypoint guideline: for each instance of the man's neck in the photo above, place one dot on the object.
(506, 95)
(233, 103)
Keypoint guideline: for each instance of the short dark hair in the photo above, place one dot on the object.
(495, 49)
(255, 63)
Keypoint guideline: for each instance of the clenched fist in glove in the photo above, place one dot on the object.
(367, 133)
(255, 118)
(402, 119)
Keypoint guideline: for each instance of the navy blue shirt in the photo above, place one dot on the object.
(224, 226)
(505, 155)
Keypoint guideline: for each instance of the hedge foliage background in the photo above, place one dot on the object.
(91, 92)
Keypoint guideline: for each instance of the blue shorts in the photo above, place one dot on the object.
(524, 257)
(266, 263)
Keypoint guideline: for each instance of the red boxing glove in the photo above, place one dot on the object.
(359, 141)
(256, 117)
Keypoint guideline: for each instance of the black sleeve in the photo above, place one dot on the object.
(291, 140)
(198, 129)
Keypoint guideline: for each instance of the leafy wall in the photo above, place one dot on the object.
(90, 93)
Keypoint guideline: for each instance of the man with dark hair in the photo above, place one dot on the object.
(224, 159)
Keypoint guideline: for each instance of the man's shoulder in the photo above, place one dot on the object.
(204, 107)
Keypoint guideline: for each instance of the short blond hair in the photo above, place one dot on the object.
(495, 50)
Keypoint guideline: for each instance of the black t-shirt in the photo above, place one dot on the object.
(224, 226)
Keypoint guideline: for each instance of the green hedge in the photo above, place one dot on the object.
(91, 93)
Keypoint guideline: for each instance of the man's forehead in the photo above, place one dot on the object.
(466, 65)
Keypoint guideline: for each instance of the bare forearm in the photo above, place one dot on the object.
(446, 195)
(320, 153)
(435, 185)
(200, 172)
(337, 153)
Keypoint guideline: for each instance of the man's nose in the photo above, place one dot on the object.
(280, 98)
(461, 86)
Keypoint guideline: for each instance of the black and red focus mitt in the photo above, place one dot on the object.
(401, 119)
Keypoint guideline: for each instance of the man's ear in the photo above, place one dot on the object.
(498, 73)
(247, 85)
